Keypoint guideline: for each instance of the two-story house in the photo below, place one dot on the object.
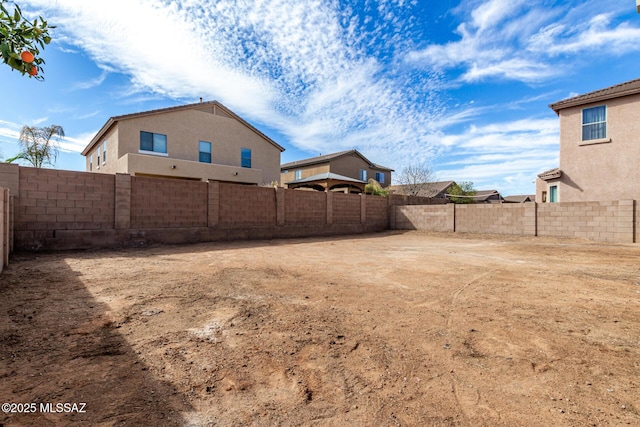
(347, 171)
(599, 147)
(202, 141)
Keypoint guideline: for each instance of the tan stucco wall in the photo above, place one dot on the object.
(350, 166)
(184, 130)
(307, 171)
(607, 170)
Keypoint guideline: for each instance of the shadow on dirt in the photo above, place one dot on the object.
(57, 345)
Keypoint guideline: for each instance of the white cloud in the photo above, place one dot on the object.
(501, 155)
(595, 34)
(520, 40)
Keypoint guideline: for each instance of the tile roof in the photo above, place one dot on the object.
(520, 198)
(326, 175)
(430, 189)
(631, 87)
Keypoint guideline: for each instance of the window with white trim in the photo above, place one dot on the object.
(363, 174)
(380, 177)
(298, 174)
(594, 123)
(104, 151)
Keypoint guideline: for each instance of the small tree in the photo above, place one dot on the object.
(39, 146)
(416, 179)
(21, 40)
(462, 193)
(373, 187)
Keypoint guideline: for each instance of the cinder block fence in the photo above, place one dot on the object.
(54, 209)
(608, 221)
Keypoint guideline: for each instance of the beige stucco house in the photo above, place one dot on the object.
(599, 147)
(202, 141)
(346, 171)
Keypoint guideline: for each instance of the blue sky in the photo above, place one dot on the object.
(461, 86)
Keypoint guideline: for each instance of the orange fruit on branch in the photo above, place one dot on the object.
(33, 71)
(27, 56)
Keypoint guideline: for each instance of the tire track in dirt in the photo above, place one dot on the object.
(468, 399)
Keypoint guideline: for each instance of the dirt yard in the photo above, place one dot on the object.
(410, 329)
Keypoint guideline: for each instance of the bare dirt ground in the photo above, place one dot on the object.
(411, 329)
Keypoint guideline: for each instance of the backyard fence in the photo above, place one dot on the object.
(55, 209)
(609, 221)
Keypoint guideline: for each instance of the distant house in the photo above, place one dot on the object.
(435, 190)
(599, 147)
(523, 198)
(346, 171)
(487, 196)
(202, 141)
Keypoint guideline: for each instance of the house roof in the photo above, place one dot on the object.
(631, 87)
(482, 195)
(196, 106)
(431, 189)
(520, 198)
(326, 176)
(328, 157)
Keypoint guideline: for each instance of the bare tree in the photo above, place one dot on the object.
(39, 146)
(416, 180)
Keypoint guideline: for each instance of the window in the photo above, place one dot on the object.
(104, 152)
(205, 152)
(298, 174)
(594, 123)
(553, 194)
(98, 155)
(363, 175)
(380, 177)
(153, 142)
(90, 162)
(245, 154)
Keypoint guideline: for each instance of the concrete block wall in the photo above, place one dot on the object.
(608, 221)
(402, 200)
(305, 207)
(517, 218)
(346, 208)
(52, 209)
(166, 203)
(432, 218)
(377, 210)
(51, 200)
(247, 205)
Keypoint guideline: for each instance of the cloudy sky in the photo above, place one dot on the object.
(460, 86)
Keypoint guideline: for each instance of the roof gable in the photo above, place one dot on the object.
(328, 158)
(631, 87)
(213, 107)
